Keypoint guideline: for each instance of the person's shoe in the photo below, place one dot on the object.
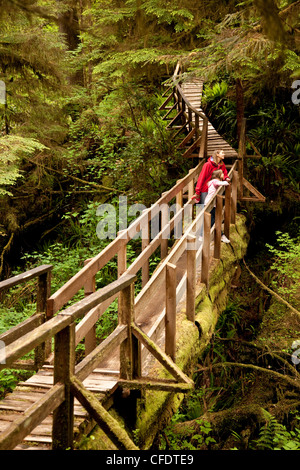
(224, 239)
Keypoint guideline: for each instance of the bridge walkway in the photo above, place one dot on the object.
(150, 304)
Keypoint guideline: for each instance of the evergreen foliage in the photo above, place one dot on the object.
(12, 149)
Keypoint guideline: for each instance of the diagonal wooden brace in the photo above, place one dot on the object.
(102, 417)
(161, 356)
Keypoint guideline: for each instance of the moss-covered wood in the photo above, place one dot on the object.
(155, 408)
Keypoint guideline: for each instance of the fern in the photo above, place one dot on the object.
(275, 436)
(12, 149)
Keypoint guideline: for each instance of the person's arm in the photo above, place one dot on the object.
(225, 172)
(201, 180)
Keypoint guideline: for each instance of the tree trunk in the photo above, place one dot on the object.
(69, 27)
(240, 107)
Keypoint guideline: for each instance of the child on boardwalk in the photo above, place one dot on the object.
(217, 180)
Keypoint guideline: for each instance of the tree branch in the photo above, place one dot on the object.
(292, 382)
(264, 351)
(95, 185)
(280, 299)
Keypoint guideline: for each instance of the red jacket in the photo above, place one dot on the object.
(205, 175)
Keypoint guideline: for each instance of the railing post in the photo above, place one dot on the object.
(234, 184)
(191, 188)
(191, 278)
(122, 266)
(241, 156)
(203, 141)
(183, 119)
(130, 353)
(170, 317)
(179, 204)
(178, 227)
(164, 220)
(190, 118)
(145, 243)
(189, 211)
(43, 293)
(179, 197)
(64, 365)
(197, 128)
(218, 227)
(227, 215)
(206, 249)
(90, 341)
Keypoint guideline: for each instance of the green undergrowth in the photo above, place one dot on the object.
(235, 408)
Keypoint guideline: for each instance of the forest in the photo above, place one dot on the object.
(81, 83)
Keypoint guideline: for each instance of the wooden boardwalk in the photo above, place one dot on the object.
(192, 91)
(26, 394)
(150, 318)
(103, 382)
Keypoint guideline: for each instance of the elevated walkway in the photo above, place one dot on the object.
(63, 400)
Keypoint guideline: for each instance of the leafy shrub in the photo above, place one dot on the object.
(286, 265)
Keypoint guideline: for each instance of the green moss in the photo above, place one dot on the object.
(160, 406)
(241, 229)
(157, 408)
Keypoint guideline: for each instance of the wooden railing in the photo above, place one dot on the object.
(68, 377)
(59, 399)
(190, 121)
(85, 278)
(43, 275)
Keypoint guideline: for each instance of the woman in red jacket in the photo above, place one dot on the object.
(215, 162)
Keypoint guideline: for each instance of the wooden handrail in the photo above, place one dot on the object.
(195, 127)
(43, 275)
(26, 276)
(59, 398)
(187, 102)
(68, 290)
(138, 263)
(128, 337)
(21, 329)
(179, 248)
(47, 330)
(32, 417)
